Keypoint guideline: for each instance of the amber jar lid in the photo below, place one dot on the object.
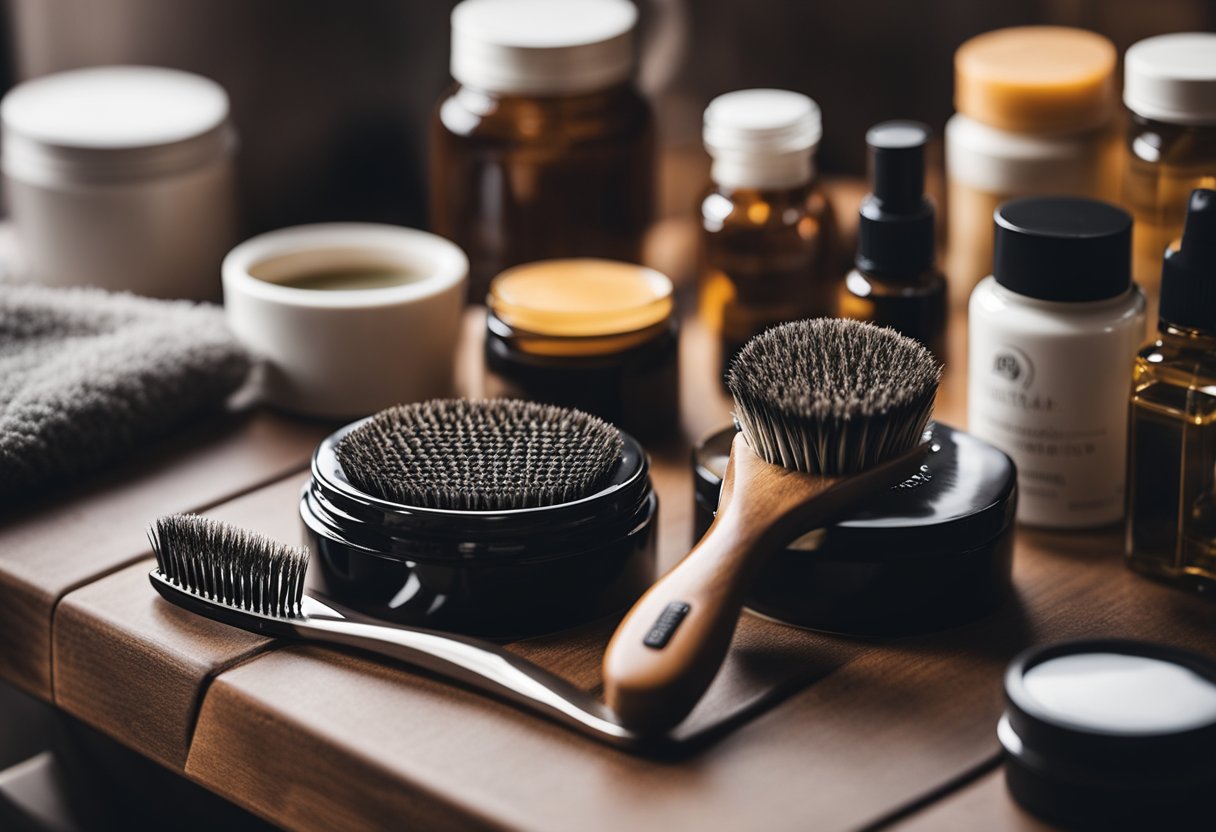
(585, 305)
(1036, 79)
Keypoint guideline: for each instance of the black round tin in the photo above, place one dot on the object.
(493, 574)
(932, 552)
(1087, 775)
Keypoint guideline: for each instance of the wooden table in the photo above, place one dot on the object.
(891, 734)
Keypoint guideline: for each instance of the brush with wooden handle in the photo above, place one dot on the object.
(831, 413)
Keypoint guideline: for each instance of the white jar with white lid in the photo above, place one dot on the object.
(1051, 339)
(121, 177)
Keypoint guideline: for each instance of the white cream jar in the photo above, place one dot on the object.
(1052, 335)
(121, 177)
(347, 318)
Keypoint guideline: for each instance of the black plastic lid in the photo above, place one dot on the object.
(895, 236)
(1062, 248)
(1085, 772)
(1188, 274)
(962, 498)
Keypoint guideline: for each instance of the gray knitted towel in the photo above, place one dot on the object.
(86, 375)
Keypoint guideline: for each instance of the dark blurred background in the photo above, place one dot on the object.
(332, 97)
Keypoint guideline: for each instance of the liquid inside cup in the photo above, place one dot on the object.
(340, 270)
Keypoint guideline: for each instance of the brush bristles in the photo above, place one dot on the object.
(486, 455)
(231, 566)
(829, 396)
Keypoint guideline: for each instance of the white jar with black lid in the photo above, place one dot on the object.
(1111, 734)
(121, 177)
(1052, 336)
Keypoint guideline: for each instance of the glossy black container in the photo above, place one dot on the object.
(493, 574)
(1077, 759)
(637, 387)
(933, 552)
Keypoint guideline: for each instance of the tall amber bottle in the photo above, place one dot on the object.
(544, 148)
(1171, 525)
(896, 282)
(768, 232)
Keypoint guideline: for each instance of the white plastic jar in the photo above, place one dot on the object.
(121, 177)
(1052, 336)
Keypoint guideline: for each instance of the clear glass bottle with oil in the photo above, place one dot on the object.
(768, 234)
(1171, 519)
(896, 282)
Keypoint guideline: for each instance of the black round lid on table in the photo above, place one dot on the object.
(961, 498)
(1066, 249)
(1111, 733)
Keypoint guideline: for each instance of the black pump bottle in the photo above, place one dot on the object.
(895, 281)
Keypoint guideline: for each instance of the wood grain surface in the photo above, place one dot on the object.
(984, 804)
(136, 667)
(75, 534)
(894, 722)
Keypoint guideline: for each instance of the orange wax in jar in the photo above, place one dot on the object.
(1036, 116)
(597, 335)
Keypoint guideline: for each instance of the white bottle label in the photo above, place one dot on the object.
(1058, 406)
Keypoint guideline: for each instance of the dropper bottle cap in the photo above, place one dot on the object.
(1188, 274)
(895, 236)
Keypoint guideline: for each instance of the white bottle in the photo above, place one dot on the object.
(1052, 336)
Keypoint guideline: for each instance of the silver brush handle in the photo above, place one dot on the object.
(478, 664)
(468, 661)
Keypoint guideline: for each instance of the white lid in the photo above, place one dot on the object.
(762, 138)
(1172, 78)
(542, 47)
(1013, 164)
(1124, 693)
(113, 122)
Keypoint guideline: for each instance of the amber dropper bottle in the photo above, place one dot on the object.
(895, 281)
(1171, 518)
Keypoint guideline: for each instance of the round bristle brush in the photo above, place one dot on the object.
(831, 412)
(483, 455)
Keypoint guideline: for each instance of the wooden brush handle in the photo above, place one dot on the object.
(669, 647)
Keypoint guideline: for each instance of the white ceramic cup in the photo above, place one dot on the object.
(348, 352)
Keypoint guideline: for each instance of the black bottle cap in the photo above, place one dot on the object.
(895, 237)
(1063, 248)
(1188, 274)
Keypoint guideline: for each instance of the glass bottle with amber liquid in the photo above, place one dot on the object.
(545, 147)
(1171, 525)
(768, 234)
(895, 282)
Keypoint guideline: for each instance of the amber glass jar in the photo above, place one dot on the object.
(544, 148)
(768, 232)
(597, 335)
(1170, 91)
